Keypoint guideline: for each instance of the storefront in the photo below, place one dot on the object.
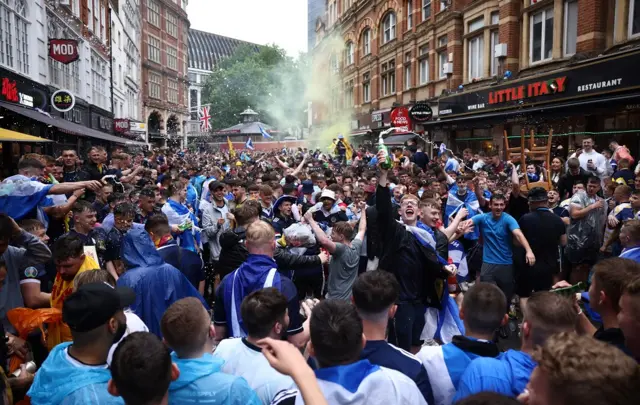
(598, 97)
(19, 93)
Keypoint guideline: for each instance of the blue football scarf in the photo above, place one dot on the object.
(257, 272)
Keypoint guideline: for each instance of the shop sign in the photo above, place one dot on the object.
(63, 100)
(11, 93)
(421, 112)
(138, 127)
(376, 117)
(121, 125)
(64, 50)
(590, 79)
(400, 118)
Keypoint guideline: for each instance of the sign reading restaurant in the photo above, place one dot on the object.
(597, 77)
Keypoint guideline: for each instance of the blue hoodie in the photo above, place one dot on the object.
(507, 375)
(60, 380)
(201, 381)
(157, 284)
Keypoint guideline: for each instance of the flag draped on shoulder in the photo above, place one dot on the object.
(20, 196)
(443, 324)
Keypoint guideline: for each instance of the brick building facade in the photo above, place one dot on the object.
(402, 52)
(164, 70)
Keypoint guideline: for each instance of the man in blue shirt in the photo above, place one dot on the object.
(545, 314)
(497, 229)
(375, 294)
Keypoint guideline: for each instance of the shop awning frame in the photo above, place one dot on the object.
(400, 139)
(68, 126)
(537, 108)
(7, 135)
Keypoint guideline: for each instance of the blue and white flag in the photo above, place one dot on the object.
(459, 259)
(264, 133)
(443, 324)
(249, 144)
(442, 148)
(454, 204)
(179, 214)
(20, 196)
(360, 383)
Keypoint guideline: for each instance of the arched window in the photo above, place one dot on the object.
(349, 53)
(366, 42)
(389, 27)
(14, 46)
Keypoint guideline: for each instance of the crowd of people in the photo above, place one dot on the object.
(321, 277)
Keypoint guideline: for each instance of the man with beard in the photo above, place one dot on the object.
(409, 253)
(77, 372)
(265, 315)
(146, 205)
(239, 191)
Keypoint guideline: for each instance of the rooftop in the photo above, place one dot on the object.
(207, 49)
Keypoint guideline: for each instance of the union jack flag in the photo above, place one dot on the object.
(205, 119)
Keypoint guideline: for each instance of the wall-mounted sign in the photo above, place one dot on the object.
(121, 125)
(606, 75)
(400, 118)
(64, 50)
(12, 94)
(63, 100)
(138, 126)
(421, 112)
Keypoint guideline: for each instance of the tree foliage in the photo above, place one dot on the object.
(268, 80)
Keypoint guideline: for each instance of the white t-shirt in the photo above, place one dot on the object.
(598, 160)
(134, 324)
(243, 359)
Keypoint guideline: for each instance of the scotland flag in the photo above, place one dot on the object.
(249, 144)
(264, 133)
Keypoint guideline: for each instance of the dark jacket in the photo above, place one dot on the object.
(233, 253)
(566, 182)
(397, 241)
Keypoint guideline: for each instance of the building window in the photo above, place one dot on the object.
(442, 41)
(366, 42)
(407, 77)
(476, 52)
(99, 81)
(634, 17)
(426, 9)
(570, 26)
(495, 18)
(492, 52)
(349, 53)
(366, 88)
(389, 27)
(172, 58)
(154, 85)
(541, 36)
(348, 94)
(424, 65)
(388, 78)
(409, 14)
(172, 25)
(14, 47)
(476, 24)
(442, 61)
(172, 91)
(153, 13)
(154, 49)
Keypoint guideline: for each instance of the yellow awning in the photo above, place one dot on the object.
(13, 136)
